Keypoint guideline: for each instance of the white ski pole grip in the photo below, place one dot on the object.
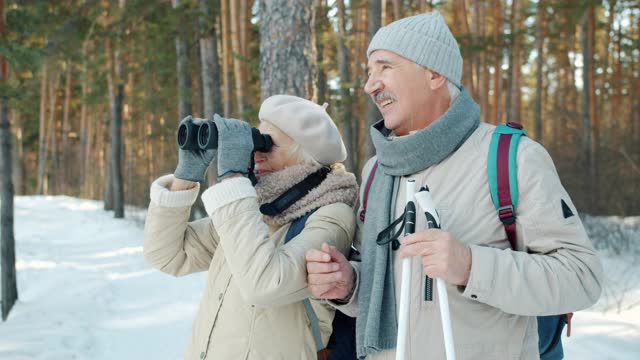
(405, 287)
(424, 200)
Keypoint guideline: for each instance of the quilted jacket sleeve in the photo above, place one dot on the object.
(171, 243)
(556, 270)
(269, 273)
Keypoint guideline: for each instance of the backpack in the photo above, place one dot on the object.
(503, 185)
(342, 342)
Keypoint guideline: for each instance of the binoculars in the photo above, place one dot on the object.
(205, 137)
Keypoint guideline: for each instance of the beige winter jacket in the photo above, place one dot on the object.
(252, 305)
(556, 270)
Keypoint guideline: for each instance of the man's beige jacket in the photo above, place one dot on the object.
(555, 271)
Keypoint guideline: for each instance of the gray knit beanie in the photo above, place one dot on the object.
(424, 39)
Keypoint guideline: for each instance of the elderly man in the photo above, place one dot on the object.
(432, 133)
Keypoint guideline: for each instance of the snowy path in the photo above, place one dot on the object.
(87, 293)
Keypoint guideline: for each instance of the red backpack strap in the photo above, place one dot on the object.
(502, 175)
(506, 212)
(366, 190)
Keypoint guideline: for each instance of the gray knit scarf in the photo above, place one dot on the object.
(339, 186)
(376, 326)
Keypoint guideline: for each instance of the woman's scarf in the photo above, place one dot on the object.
(339, 186)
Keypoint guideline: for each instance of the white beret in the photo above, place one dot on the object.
(308, 124)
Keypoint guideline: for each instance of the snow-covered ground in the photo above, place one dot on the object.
(86, 292)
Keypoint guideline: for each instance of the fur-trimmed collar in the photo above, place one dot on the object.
(339, 186)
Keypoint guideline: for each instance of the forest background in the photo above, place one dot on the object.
(93, 90)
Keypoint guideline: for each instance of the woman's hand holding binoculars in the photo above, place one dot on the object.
(192, 163)
(231, 141)
(235, 146)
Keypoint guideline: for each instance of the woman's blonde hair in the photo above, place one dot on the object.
(294, 149)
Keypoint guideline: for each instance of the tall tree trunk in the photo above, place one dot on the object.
(237, 17)
(286, 54)
(182, 65)
(85, 136)
(9, 287)
(210, 66)
(482, 73)
(18, 156)
(587, 130)
(516, 85)
(462, 25)
(345, 110)
(496, 115)
(116, 96)
(608, 54)
(226, 57)
(322, 29)
(373, 114)
(245, 41)
(106, 164)
(50, 142)
(66, 175)
(397, 9)
(42, 139)
(593, 110)
(540, 34)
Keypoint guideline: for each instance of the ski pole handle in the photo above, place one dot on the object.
(425, 201)
(405, 287)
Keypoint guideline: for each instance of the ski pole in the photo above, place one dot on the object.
(405, 287)
(424, 200)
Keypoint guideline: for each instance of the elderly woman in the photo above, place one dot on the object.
(253, 305)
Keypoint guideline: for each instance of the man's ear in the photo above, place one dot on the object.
(436, 80)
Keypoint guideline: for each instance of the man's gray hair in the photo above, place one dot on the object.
(454, 91)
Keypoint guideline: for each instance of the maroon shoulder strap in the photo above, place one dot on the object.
(506, 211)
(366, 190)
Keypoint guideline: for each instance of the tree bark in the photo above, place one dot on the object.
(226, 56)
(397, 9)
(464, 31)
(209, 59)
(322, 28)
(345, 91)
(116, 94)
(515, 93)
(182, 67)
(482, 73)
(85, 134)
(18, 156)
(496, 115)
(587, 133)
(236, 17)
(7, 238)
(540, 34)
(68, 169)
(50, 134)
(373, 114)
(287, 57)
(42, 150)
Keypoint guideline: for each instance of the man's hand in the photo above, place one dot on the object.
(443, 256)
(329, 273)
